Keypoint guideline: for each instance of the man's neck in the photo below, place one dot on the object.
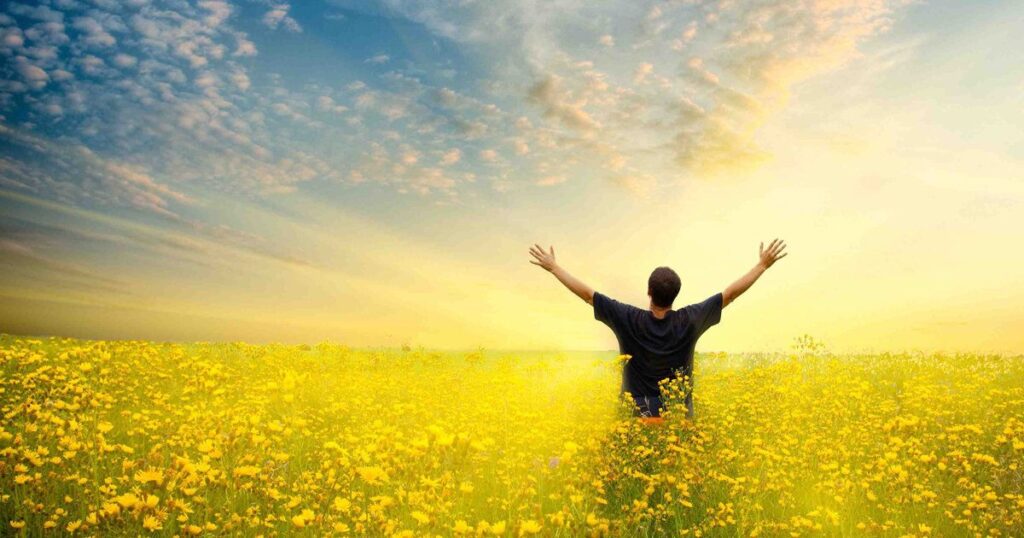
(660, 311)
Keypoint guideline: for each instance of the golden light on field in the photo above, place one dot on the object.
(137, 438)
(194, 193)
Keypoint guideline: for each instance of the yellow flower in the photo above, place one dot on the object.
(19, 524)
(74, 525)
(304, 518)
(246, 471)
(372, 474)
(127, 500)
(151, 524)
(150, 475)
(341, 504)
(529, 527)
(420, 516)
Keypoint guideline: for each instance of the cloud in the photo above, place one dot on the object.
(686, 37)
(641, 73)
(125, 60)
(33, 75)
(277, 17)
(638, 184)
(166, 91)
(243, 46)
(549, 181)
(192, 240)
(748, 56)
(326, 102)
(23, 254)
(94, 32)
(557, 103)
(72, 173)
(429, 180)
(38, 12)
(451, 157)
(240, 79)
(167, 87)
(219, 11)
(410, 157)
(12, 37)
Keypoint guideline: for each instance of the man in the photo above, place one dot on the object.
(659, 340)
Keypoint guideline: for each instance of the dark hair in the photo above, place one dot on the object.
(663, 286)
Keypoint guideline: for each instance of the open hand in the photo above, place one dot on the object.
(773, 253)
(543, 259)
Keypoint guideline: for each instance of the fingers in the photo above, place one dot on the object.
(535, 263)
(775, 247)
(540, 255)
(783, 256)
(538, 252)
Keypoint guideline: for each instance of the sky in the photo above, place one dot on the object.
(372, 173)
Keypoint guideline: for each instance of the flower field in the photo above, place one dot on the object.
(137, 438)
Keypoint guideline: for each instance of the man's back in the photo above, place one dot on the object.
(659, 348)
(659, 340)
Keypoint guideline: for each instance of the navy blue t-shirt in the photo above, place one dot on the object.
(660, 348)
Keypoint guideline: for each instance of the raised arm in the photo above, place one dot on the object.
(547, 261)
(767, 258)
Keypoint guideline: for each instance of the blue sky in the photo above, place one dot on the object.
(273, 170)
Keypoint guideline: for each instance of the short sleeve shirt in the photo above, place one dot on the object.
(660, 348)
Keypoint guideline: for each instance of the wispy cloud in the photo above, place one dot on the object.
(75, 174)
(676, 91)
(23, 256)
(682, 87)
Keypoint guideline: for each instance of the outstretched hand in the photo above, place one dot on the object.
(543, 259)
(773, 253)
